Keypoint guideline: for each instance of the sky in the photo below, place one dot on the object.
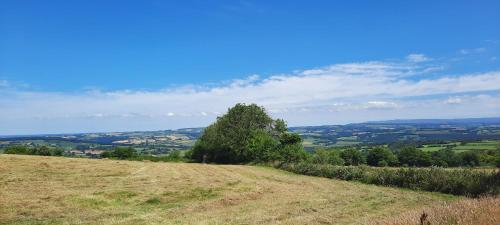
(98, 66)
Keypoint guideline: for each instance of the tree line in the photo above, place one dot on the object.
(36, 150)
(406, 156)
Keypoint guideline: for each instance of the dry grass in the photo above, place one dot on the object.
(484, 211)
(50, 190)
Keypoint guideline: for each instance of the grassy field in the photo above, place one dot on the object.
(479, 145)
(51, 190)
(463, 212)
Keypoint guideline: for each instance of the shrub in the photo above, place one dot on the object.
(38, 150)
(323, 156)
(292, 153)
(16, 149)
(380, 156)
(120, 153)
(470, 158)
(445, 158)
(352, 157)
(167, 158)
(412, 156)
(466, 182)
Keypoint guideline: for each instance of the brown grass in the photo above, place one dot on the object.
(483, 211)
(51, 190)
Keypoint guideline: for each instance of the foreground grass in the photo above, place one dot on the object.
(464, 212)
(51, 190)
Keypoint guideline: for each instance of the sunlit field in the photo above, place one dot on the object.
(54, 190)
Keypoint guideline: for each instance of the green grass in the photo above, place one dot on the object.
(471, 146)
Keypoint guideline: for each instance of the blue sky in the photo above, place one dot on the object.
(142, 65)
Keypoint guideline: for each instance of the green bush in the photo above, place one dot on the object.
(38, 150)
(120, 153)
(466, 182)
(352, 157)
(470, 158)
(412, 156)
(323, 156)
(17, 149)
(380, 156)
(446, 158)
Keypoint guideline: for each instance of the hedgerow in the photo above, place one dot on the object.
(468, 182)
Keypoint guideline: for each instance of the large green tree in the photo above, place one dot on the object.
(245, 133)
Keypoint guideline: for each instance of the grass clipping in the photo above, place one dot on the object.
(464, 212)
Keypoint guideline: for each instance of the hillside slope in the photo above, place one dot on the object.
(50, 190)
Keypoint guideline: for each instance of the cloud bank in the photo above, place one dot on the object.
(339, 93)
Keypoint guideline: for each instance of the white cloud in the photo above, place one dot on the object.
(332, 94)
(472, 51)
(380, 105)
(416, 58)
(453, 100)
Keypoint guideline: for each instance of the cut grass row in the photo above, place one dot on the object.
(463, 212)
(55, 190)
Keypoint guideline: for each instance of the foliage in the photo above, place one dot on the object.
(380, 156)
(445, 158)
(291, 153)
(247, 133)
(323, 156)
(411, 156)
(352, 157)
(120, 153)
(262, 147)
(17, 149)
(174, 156)
(455, 181)
(37, 150)
(470, 158)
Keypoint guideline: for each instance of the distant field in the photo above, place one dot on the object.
(471, 146)
(49, 190)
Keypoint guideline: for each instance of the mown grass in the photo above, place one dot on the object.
(52, 190)
(464, 212)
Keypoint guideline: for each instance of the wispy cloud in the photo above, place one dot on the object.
(472, 51)
(453, 100)
(4, 84)
(332, 94)
(416, 58)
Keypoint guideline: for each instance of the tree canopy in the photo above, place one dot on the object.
(246, 133)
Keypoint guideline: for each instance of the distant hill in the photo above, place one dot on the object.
(372, 132)
(466, 121)
(389, 131)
